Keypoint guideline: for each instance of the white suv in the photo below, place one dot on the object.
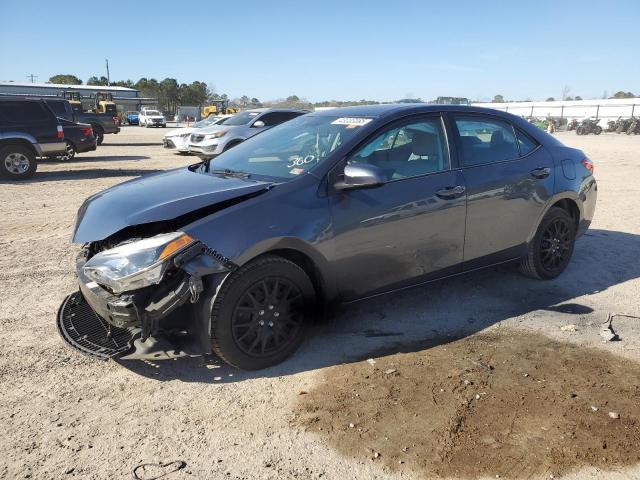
(151, 118)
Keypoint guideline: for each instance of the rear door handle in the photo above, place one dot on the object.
(542, 172)
(450, 193)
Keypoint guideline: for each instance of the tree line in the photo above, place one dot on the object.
(171, 94)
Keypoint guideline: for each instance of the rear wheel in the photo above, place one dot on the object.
(17, 162)
(259, 316)
(598, 130)
(580, 131)
(552, 246)
(70, 152)
(99, 134)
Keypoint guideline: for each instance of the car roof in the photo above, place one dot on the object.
(388, 109)
(275, 109)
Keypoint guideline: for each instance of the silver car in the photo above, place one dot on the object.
(212, 141)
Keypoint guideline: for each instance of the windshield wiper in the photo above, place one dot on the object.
(227, 172)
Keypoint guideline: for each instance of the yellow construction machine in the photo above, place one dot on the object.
(104, 103)
(218, 107)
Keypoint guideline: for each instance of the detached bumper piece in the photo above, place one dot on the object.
(85, 331)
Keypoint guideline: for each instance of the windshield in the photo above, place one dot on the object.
(132, 113)
(241, 118)
(290, 149)
(152, 112)
(205, 122)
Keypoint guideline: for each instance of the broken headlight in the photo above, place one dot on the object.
(136, 264)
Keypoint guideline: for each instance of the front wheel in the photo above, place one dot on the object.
(550, 250)
(579, 131)
(259, 316)
(598, 130)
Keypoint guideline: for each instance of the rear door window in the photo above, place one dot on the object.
(23, 112)
(485, 140)
(276, 118)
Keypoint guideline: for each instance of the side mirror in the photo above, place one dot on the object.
(258, 124)
(362, 175)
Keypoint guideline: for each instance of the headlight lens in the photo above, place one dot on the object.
(219, 134)
(137, 264)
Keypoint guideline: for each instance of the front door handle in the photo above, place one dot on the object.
(450, 193)
(542, 172)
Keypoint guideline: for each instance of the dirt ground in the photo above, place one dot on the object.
(65, 415)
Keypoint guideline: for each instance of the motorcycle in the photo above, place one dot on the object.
(634, 127)
(572, 125)
(623, 125)
(588, 126)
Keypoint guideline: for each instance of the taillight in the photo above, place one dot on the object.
(87, 132)
(59, 132)
(588, 164)
(116, 120)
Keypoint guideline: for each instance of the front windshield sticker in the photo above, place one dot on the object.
(298, 161)
(351, 122)
(296, 171)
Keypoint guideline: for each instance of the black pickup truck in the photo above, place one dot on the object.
(28, 130)
(102, 123)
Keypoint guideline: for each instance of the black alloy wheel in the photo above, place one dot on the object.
(550, 251)
(260, 313)
(268, 317)
(556, 244)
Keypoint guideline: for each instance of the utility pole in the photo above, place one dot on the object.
(108, 79)
(32, 77)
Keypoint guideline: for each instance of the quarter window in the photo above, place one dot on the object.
(527, 145)
(485, 140)
(417, 148)
(57, 107)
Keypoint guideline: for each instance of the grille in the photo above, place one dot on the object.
(85, 331)
(196, 138)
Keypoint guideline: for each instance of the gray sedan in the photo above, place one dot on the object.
(238, 255)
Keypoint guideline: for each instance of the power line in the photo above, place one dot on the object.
(32, 77)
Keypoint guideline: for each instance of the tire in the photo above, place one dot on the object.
(579, 131)
(268, 295)
(71, 152)
(598, 130)
(17, 162)
(99, 134)
(550, 251)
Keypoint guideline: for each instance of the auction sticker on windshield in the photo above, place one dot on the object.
(351, 122)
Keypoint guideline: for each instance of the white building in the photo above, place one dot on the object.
(607, 109)
(125, 98)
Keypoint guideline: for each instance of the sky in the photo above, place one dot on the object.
(334, 49)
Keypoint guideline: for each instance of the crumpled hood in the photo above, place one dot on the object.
(153, 198)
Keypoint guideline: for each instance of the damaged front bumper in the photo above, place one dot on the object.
(107, 325)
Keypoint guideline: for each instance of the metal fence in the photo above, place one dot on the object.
(569, 110)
